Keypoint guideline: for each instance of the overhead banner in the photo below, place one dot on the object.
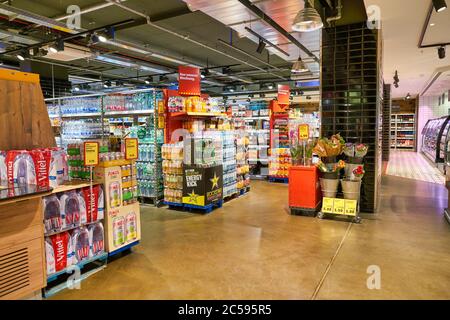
(284, 94)
(189, 81)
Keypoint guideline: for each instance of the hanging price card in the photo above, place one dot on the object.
(350, 207)
(303, 132)
(327, 205)
(131, 149)
(91, 153)
(339, 206)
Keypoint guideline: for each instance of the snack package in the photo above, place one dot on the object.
(20, 167)
(57, 249)
(96, 239)
(80, 245)
(52, 214)
(131, 228)
(73, 209)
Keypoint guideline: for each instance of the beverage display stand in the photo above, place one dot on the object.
(122, 211)
(24, 124)
(94, 259)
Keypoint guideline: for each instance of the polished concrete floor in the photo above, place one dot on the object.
(253, 249)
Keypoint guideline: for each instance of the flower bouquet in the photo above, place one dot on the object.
(329, 149)
(355, 152)
(358, 172)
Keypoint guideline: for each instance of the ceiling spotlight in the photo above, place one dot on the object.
(94, 39)
(308, 19)
(262, 95)
(441, 52)
(299, 66)
(22, 55)
(270, 86)
(308, 98)
(76, 88)
(234, 101)
(107, 84)
(261, 46)
(148, 80)
(251, 95)
(396, 84)
(226, 70)
(439, 5)
(102, 38)
(248, 100)
(408, 97)
(231, 89)
(205, 73)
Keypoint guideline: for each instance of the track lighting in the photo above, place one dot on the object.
(148, 80)
(441, 52)
(58, 46)
(22, 55)
(205, 73)
(94, 39)
(308, 19)
(261, 46)
(439, 5)
(226, 70)
(107, 84)
(299, 66)
(231, 89)
(270, 86)
(76, 88)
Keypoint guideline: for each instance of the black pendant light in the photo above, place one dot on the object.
(439, 5)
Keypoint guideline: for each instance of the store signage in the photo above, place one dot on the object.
(91, 153)
(131, 149)
(188, 81)
(303, 132)
(340, 206)
(284, 94)
(202, 186)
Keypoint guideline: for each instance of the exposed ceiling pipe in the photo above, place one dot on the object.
(338, 16)
(184, 37)
(259, 13)
(88, 9)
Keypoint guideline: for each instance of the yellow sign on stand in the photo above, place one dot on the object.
(91, 153)
(327, 205)
(131, 149)
(303, 132)
(340, 206)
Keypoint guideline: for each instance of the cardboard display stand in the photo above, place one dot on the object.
(202, 186)
(122, 222)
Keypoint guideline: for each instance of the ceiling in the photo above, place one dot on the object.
(402, 24)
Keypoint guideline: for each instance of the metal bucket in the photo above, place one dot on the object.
(351, 189)
(329, 187)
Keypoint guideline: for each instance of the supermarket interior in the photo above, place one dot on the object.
(229, 149)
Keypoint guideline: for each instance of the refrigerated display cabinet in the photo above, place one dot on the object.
(435, 135)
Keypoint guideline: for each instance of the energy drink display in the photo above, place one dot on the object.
(172, 168)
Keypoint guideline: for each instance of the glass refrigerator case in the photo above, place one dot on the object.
(435, 136)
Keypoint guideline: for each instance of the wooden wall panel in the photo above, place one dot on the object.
(24, 120)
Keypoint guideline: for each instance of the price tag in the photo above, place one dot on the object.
(351, 207)
(339, 206)
(303, 132)
(131, 149)
(91, 153)
(327, 205)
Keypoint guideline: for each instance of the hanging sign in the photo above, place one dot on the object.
(188, 81)
(284, 94)
(91, 153)
(131, 149)
(303, 132)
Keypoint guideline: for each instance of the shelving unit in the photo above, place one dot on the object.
(403, 131)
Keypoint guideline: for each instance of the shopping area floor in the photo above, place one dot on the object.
(253, 249)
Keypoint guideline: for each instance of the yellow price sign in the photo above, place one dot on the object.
(351, 207)
(91, 153)
(327, 205)
(339, 206)
(303, 132)
(131, 149)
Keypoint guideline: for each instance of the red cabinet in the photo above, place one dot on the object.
(305, 196)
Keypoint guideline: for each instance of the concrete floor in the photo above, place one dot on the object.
(253, 249)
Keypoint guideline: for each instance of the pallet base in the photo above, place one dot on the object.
(125, 248)
(278, 180)
(69, 279)
(156, 201)
(305, 212)
(206, 209)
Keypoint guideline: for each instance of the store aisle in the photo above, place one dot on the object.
(253, 249)
(413, 165)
